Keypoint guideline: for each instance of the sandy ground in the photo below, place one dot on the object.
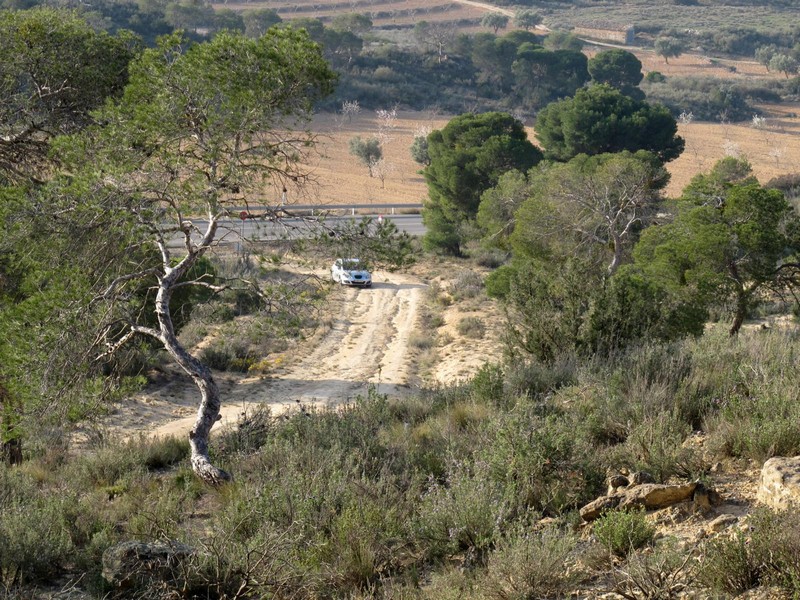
(364, 343)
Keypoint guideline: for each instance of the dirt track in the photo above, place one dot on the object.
(365, 344)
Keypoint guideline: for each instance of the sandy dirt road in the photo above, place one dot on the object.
(366, 344)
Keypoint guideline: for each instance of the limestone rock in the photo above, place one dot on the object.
(139, 564)
(597, 507)
(720, 523)
(647, 496)
(780, 483)
(654, 495)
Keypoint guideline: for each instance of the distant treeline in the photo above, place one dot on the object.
(436, 67)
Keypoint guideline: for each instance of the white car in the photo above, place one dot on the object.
(350, 271)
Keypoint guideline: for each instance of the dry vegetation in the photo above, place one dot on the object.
(391, 13)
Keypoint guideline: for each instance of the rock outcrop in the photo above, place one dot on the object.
(780, 483)
(649, 496)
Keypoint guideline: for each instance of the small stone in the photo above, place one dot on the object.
(616, 481)
(641, 477)
(720, 523)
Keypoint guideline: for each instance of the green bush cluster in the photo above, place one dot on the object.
(706, 98)
(766, 552)
(622, 532)
(471, 327)
(361, 501)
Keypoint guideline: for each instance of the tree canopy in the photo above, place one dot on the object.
(527, 19)
(541, 76)
(602, 119)
(592, 206)
(669, 47)
(618, 68)
(54, 70)
(728, 246)
(495, 21)
(199, 126)
(467, 157)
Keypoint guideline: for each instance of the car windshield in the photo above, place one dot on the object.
(351, 265)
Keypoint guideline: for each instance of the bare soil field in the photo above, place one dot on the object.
(692, 63)
(340, 179)
(773, 149)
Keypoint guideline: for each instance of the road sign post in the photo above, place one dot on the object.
(243, 216)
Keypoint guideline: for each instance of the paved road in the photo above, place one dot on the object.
(231, 230)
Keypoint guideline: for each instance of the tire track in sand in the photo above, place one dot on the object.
(367, 344)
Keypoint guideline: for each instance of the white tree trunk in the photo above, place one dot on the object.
(208, 412)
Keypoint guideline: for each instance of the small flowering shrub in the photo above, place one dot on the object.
(532, 564)
(462, 513)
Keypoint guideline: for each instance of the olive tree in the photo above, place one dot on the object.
(368, 151)
(669, 47)
(495, 21)
(527, 19)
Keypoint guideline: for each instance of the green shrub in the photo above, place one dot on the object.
(235, 355)
(488, 385)
(194, 332)
(471, 327)
(467, 284)
(164, 452)
(540, 462)
(113, 464)
(431, 318)
(622, 532)
(534, 378)
(260, 564)
(768, 552)
(34, 540)
(656, 445)
(491, 258)
(729, 565)
(250, 433)
(754, 413)
(498, 282)
(216, 358)
(461, 514)
(422, 340)
(661, 574)
(534, 564)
